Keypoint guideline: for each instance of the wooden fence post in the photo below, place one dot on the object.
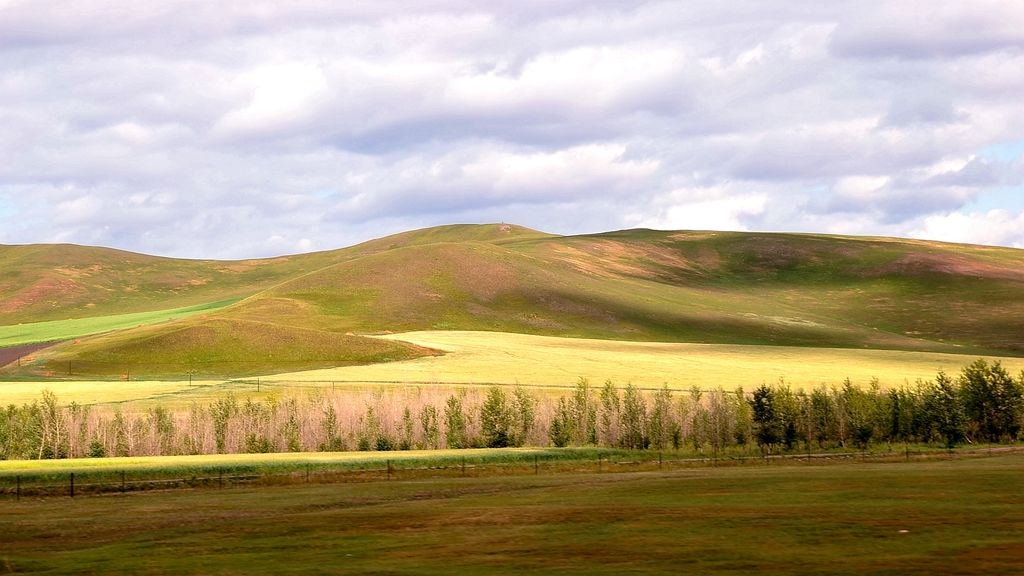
(72, 484)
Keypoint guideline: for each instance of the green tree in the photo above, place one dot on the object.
(944, 409)
(744, 419)
(496, 418)
(787, 410)
(120, 428)
(857, 414)
(333, 441)
(292, 429)
(23, 437)
(162, 423)
(700, 418)
(661, 423)
(223, 411)
(524, 415)
(429, 427)
(455, 422)
(583, 413)
(634, 419)
(611, 406)
(903, 409)
(993, 401)
(560, 431)
(767, 424)
(823, 415)
(405, 442)
(255, 417)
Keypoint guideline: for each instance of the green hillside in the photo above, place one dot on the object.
(716, 287)
(59, 282)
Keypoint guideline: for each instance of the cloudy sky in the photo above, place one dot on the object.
(243, 128)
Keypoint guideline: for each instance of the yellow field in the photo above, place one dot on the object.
(102, 392)
(480, 358)
(495, 357)
(138, 463)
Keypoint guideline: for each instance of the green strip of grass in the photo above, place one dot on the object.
(54, 330)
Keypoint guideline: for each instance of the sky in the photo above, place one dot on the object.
(252, 128)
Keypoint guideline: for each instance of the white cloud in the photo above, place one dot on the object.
(282, 96)
(704, 209)
(205, 129)
(77, 210)
(995, 227)
(593, 168)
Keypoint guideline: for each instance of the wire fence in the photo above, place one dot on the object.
(79, 483)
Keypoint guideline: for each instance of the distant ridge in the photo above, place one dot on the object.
(685, 286)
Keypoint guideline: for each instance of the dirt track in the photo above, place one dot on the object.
(8, 355)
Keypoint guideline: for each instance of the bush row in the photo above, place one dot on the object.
(983, 403)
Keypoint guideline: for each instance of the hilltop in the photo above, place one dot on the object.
(314, 310)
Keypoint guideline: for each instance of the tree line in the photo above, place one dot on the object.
(983, 403)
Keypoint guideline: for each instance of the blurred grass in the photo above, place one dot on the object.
(935, 517)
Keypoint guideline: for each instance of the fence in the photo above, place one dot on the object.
(79, 483)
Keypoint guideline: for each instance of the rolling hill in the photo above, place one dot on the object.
(314, 310)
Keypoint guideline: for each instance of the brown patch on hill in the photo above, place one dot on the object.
(49, 289)
(79, 272)
(486, 279)
(238, 266)
(692, 236)
(11, 354)
(772, 253)
(949, 264)
(612, 259)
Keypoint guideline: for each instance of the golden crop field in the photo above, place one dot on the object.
(495, 357)
(480, 358)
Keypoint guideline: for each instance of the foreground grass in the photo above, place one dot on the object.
(65, 329)
(950, 517)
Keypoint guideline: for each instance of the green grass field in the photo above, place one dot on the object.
(929, 517)
(508, 305)
(787, 290)
(54, 330)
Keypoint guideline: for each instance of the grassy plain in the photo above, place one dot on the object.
(483, 358)
(632, 285)
(950, 517)
(495, 357)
